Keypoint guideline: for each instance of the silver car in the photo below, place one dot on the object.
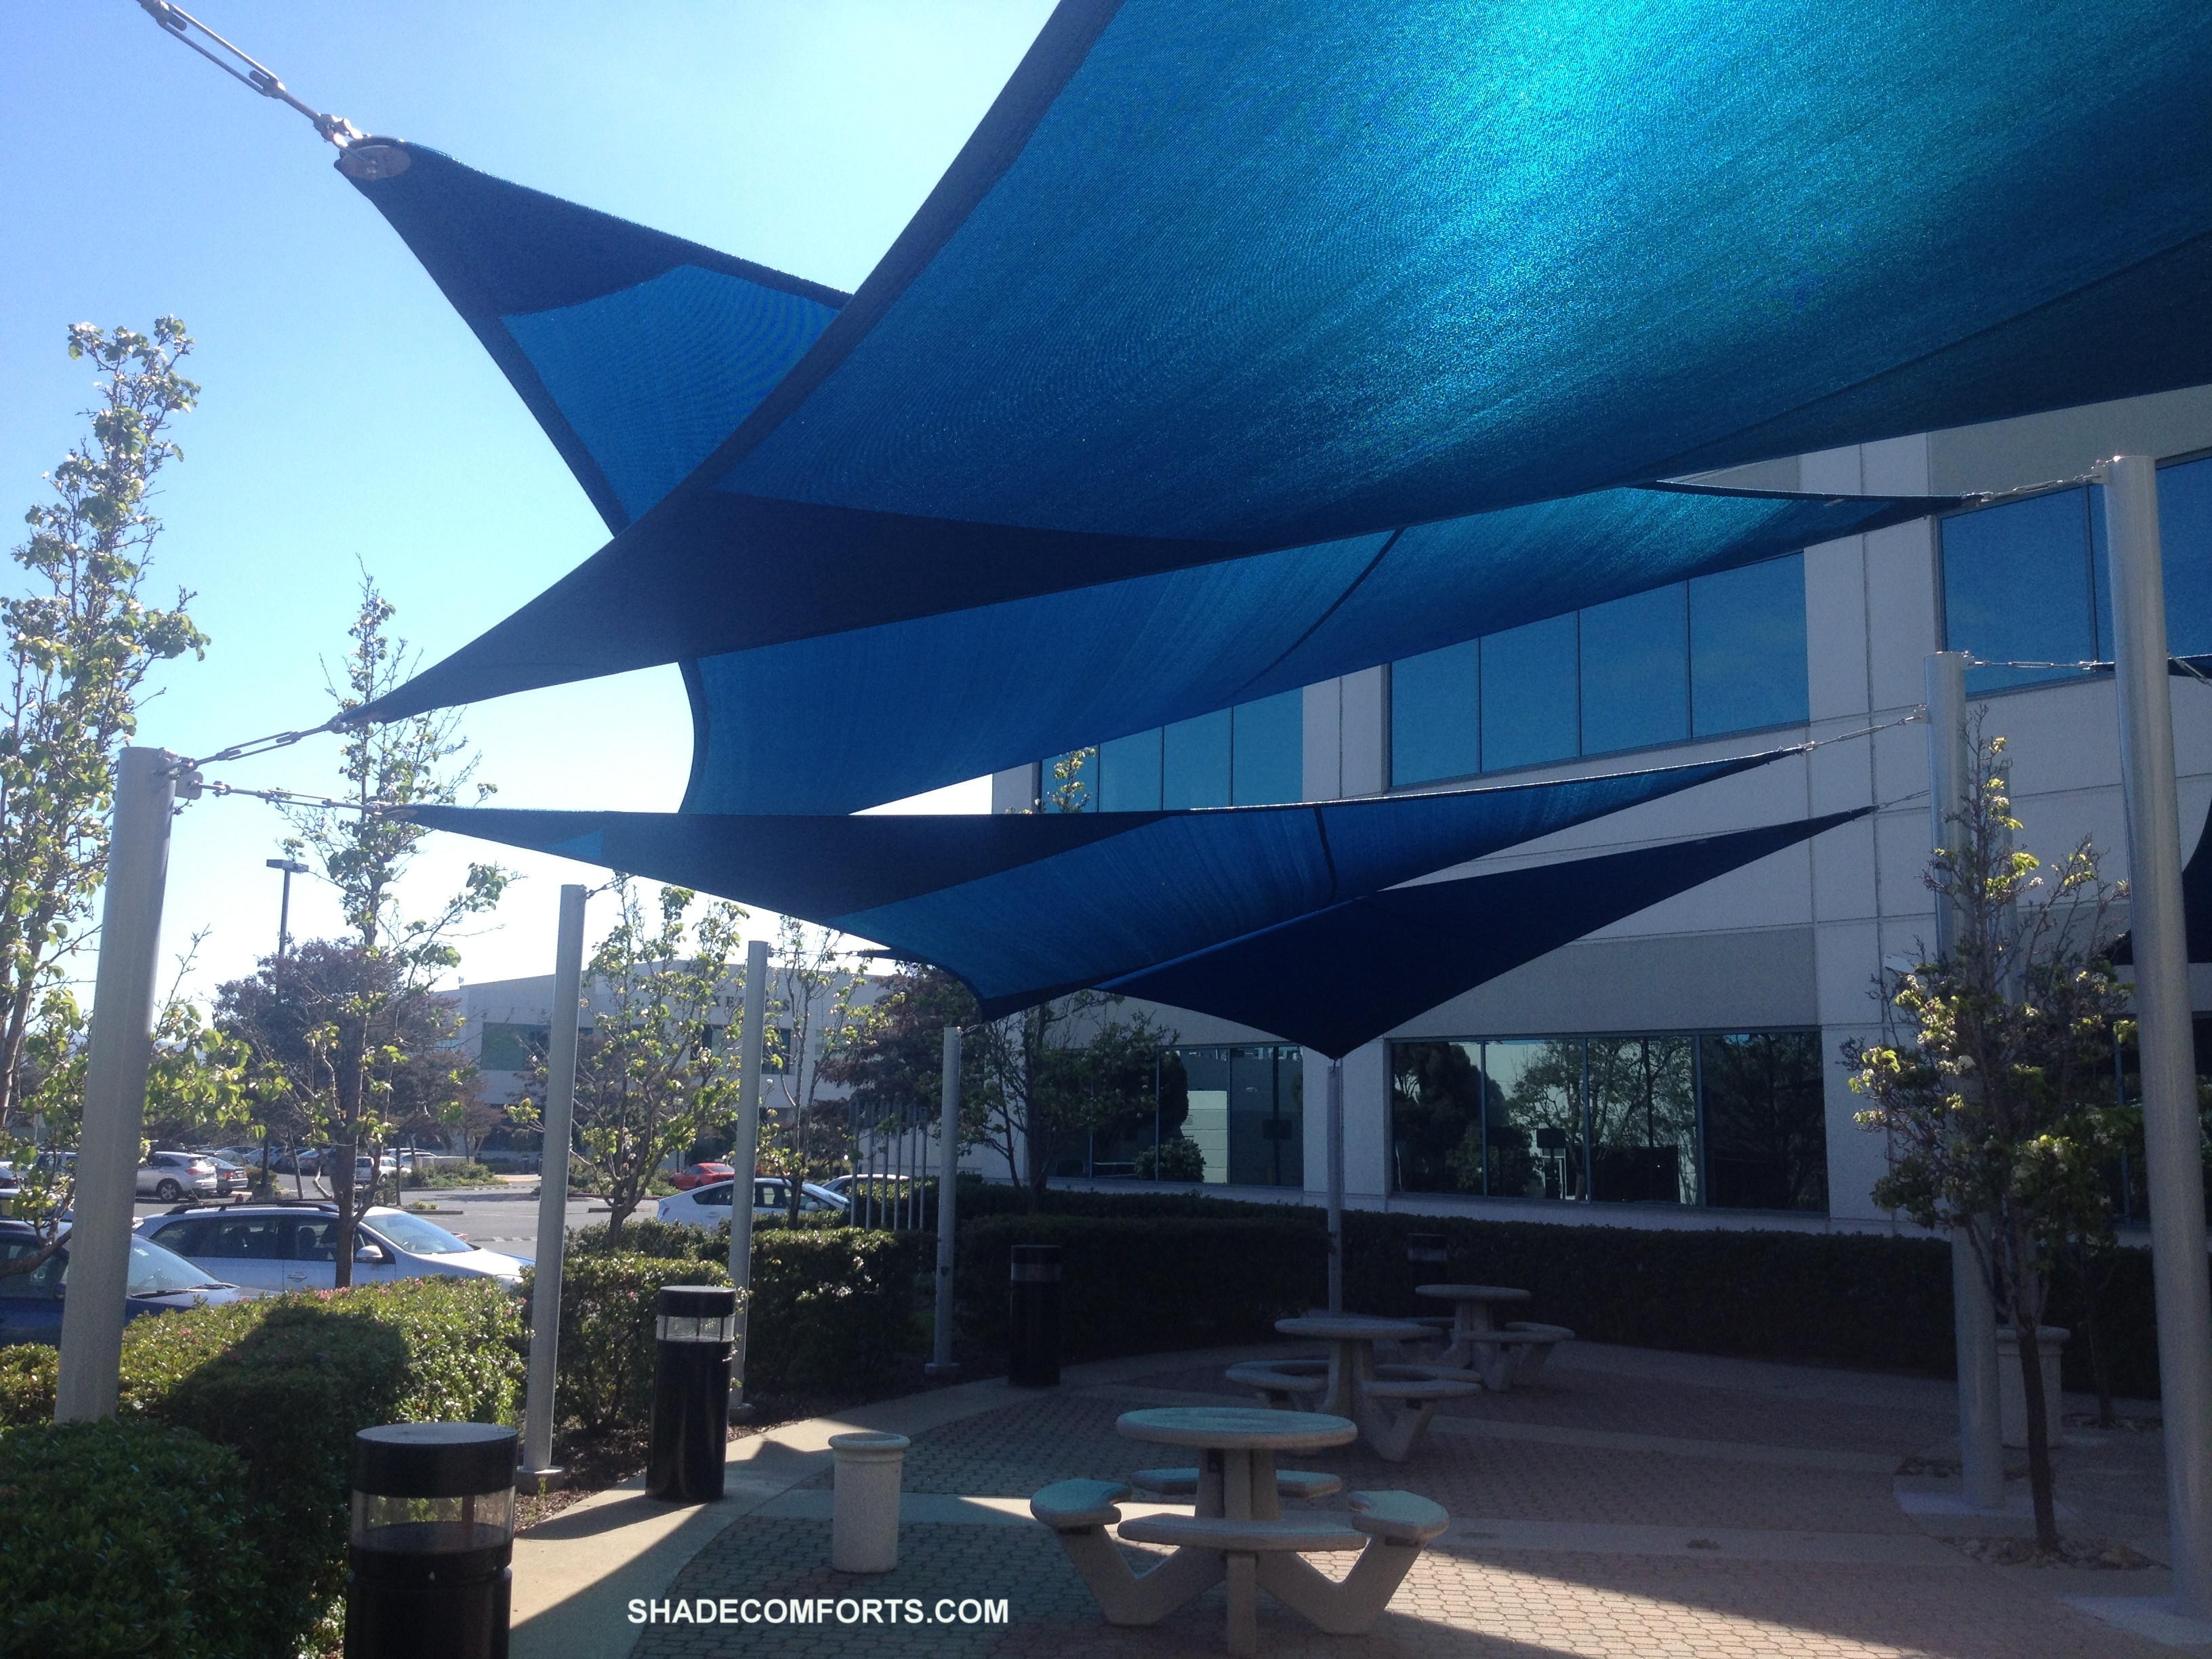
(169, 1177)
(293, 1247)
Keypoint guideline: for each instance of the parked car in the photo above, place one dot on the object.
(10, 1183)
(159, 1281)
(293, 1247)
(709, 1207)
(698, 1175)
(169, 1177)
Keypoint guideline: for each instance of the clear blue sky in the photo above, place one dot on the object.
(348, 417)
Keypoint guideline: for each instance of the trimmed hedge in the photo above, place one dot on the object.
(605, 1356)
(128, 1538)
(833, 1309)
(1143, 1284)
(286, 1381)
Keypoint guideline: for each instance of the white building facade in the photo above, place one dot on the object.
(1680, 1068)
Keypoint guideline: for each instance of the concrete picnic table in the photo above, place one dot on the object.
(1471, 1306)
(1236, 1531)
(1501, 1355)
(1351, 1338)
(1391, 1404)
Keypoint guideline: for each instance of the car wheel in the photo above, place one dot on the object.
(168, 1192)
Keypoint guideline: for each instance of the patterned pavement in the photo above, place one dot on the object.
(1632, 1507)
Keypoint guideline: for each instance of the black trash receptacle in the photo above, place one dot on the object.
(432, 1531)
(1033, 1317)
(695, 1329)
(1425, 1251)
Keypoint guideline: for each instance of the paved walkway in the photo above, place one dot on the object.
(1635, 1504)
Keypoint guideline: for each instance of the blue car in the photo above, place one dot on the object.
(160, 1281)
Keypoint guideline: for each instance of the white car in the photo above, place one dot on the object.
(709, 1205)
(293, 1247)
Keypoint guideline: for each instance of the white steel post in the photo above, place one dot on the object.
(2173, 1158)
(745, 1152)
(1336, 1186)
(115, 1084)
(1973, 1309)
(948, 1181)
(553, 1186)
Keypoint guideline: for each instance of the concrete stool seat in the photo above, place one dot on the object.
(1398, 1517)
(1282, 1383)
(1211, 1532)
(1530, 1362)
(1183, 1483)
(1078, 1505)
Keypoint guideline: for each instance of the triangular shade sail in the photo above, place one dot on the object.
(848, 719)
(1213, 280)
(1024, 907)
(2195, 902)
(1343, 976)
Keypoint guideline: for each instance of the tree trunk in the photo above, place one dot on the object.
(351, 1068)
(2026, 1318)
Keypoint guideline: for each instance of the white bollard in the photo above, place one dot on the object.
(865, 1509)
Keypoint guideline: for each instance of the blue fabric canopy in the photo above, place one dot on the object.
(849, 719)
(1342, 976)
(1216, 280)
(1023, 906)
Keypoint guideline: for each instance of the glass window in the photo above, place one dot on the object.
(314, 1241)
(1205, 1076)
(1435, 716)
(1267, 1136)
(512, 1047)
(1766, 1135)
(1534, 1128)
(1435, 1117)
(2185, 534)
(1643, 1120)
(417, 1237)
(1747, 648)
(1194, 761)
(1635, 659)
(1268, 750)
(243, 1240)
(2017, 587)
(1528, 695)
(41, 1284)
(156, 1271)
(1129, 772)
(1068, 782)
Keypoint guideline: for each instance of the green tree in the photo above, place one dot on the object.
(81, 644)
(1995, 1079)
(649, 1074)
(1054, 1071)
(364, 852)
(812, 1005)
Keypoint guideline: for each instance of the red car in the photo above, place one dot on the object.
(698, 1175)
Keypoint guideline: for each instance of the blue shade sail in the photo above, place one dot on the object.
(638, 352)
(1023, 906)
(1213, 280)
(869, 714)
(1339, 977)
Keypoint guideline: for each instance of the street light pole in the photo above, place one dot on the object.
(291, 867)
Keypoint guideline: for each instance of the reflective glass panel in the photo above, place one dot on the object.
(1528, 695)
(1266, 1146)
(1766, 1140)
(1206, 1077)
(1636, 670)
(1129, 772)
(1435, 1117)
(1748, 647)
(1534, 1128)
(2017, 588)
(1268, 750)
(1194, 761)
(1436, 709)
(1643, 1120)
(1069, 782)
(2185, 534)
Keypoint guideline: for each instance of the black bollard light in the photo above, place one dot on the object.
(695, 1329)
(1425, 1250)
(432, 1531)
(1033, 1317)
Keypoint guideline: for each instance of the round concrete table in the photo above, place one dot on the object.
(1236, 1472)
(1471, 1306)
(1351, 1338)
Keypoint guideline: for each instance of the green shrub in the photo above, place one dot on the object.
(1140, 1284)
(286, 1381)
(451, 1175)
(1180, 1158)
(833, 1307)
(605, 1356)
(130, 1538)
(28, 1374)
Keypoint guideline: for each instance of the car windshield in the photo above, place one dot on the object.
(417, 1237)
(157, 1272)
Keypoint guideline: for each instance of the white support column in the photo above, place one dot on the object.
(1973, 1309)
(745, 1152)
(553, 1185)
(1336, 1186)
(2173, 1158)
(941, 1363)
(115, 1084)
